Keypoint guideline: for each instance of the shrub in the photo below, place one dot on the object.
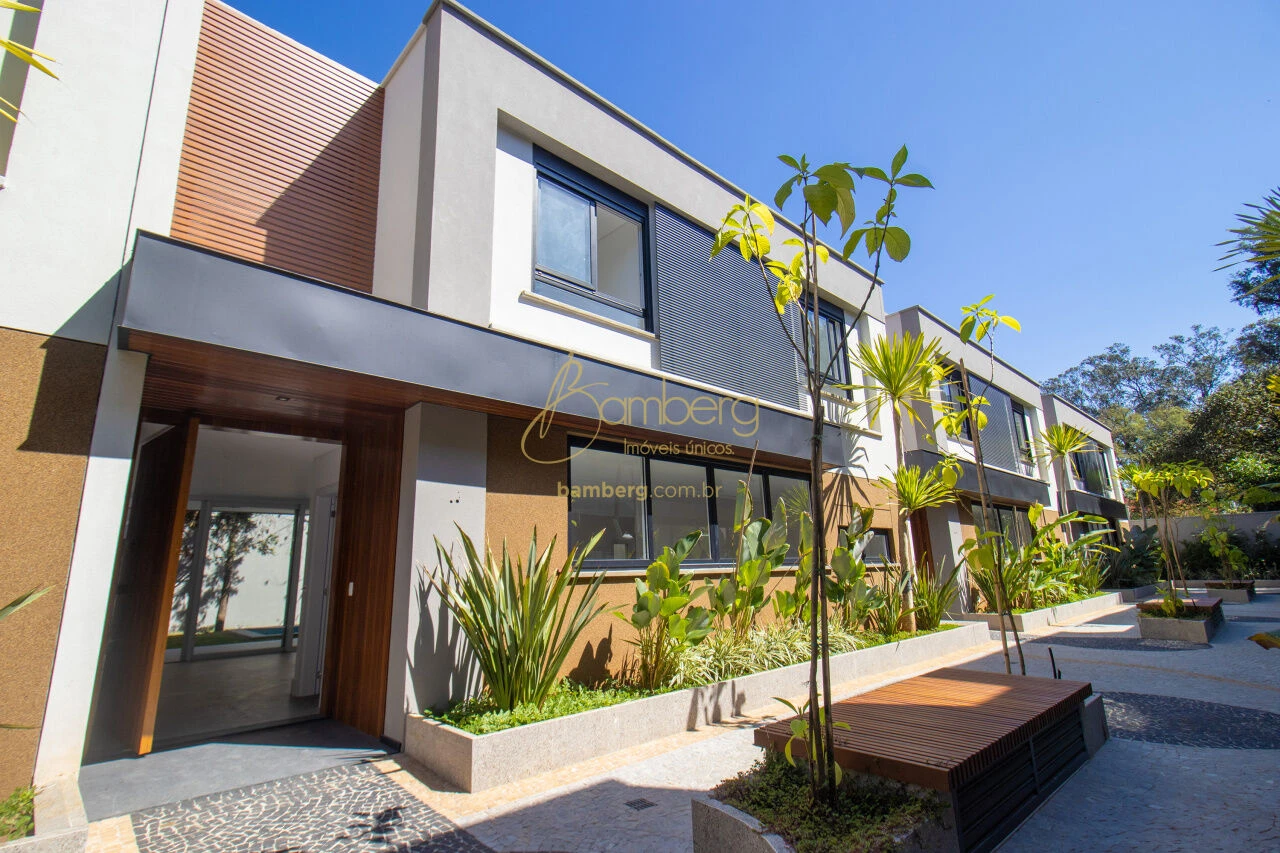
(1137, 562)
(934, 598)
(664, 617)
(17, 814)
(519, 618)
(481, 715)
(869, 814)
(724, 655)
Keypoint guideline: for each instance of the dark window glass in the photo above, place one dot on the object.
(831, 338)
(678, 495)
(794, 493)
(607, 492)
(880, 548)
(1093, 472)
(726, 498)
(589, 244)
(953, 393)
(1022, 433)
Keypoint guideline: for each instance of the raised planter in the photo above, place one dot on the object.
(1046, 616)
(719, 827)
(1231, 592)
(1202, 620)
(476, 762)
(1137, 593)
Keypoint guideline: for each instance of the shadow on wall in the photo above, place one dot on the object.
(14, 73)
(62, 413)
(323, 224)
(593, 665)
(444, 669)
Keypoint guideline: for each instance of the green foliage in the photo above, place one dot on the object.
(793, 605)
(1137, 561)
(1059, 441)
(520, 619)
(481, 715)
(800, 732)
(867, 814)
(18, 814)
(899, 371)
(665, 616)
(852, 597)
(1043, 572)
(980, 322)
(723, 655)
(934, 597)
(1232, 562)
(895, 606)
(1239, 419)
(1256, 240)
(762, 546)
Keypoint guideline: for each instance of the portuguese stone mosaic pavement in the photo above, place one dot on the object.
(1189, 722)
(353, 809)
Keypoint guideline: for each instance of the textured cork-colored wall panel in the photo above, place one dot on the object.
(48, 396)
(523, 495)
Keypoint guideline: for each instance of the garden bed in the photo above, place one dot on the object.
(871, 815)
(1198, 622)
(476, 762)
(1046, 616)
(1231, 592)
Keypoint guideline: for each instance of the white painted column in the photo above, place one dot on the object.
(93, 559)
(442, 482)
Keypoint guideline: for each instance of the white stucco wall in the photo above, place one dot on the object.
(442, 483)
(95, 158)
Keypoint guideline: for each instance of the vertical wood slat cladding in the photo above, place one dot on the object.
(142, 593)
(281, 154)
(363, 585)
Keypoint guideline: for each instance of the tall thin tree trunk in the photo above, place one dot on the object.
(906, 545)
(988, 516)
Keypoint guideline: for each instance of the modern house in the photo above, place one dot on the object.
(1018, 413)
(272, 329)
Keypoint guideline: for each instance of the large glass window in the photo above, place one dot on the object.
(590, 244)
(831, 339)
(607, 492)
(643, 504)
(1093, 471)
(1022, 436)
(726, 484)
(679, 498)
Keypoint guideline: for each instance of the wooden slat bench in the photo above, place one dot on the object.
(994, 744)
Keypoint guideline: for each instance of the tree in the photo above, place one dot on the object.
(1200, 362)
(901, 371)
(27, 54)
(233, 536)
(1058, 444)
(825, 192)
(1238, 421)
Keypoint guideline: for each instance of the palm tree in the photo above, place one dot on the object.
(915, 490)
(1057, 444)
(898, 371)
(1257, 240)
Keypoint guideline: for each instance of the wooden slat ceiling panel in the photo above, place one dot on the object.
(281, 154)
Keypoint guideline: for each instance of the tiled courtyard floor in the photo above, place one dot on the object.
(1147, 788)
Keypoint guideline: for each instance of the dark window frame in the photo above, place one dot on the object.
(709, 466)
(952, 389)
(1022, 432)
(835, 315)
(557, 285)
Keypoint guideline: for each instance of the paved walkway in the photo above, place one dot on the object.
(1146, 789)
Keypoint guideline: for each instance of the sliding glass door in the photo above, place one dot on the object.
(239, 579)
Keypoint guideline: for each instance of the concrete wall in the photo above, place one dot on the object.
(95, 158)
(1187, 529)
(442, 485)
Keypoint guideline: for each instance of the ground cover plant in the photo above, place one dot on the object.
(17, 814)
(865, 815)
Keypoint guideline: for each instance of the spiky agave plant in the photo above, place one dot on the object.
(521, 618)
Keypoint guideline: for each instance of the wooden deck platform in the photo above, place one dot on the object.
(995, 744)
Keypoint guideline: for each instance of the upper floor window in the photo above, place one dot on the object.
(831, 340)
(1093, 470)
(953, 394)
(1022, 437)
(589, 246)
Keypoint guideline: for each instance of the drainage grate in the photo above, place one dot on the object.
(640, 804)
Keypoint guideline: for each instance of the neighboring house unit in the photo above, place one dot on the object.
(274, 328)
(1018, 474)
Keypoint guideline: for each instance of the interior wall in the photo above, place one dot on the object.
(48, 394)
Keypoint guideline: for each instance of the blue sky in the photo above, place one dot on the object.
(1087, 156)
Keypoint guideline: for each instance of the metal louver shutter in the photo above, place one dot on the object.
(998, 442)
(717, 323)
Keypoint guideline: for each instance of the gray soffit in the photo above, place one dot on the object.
(1092, 504)
(193, 294)
(1003, 485)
